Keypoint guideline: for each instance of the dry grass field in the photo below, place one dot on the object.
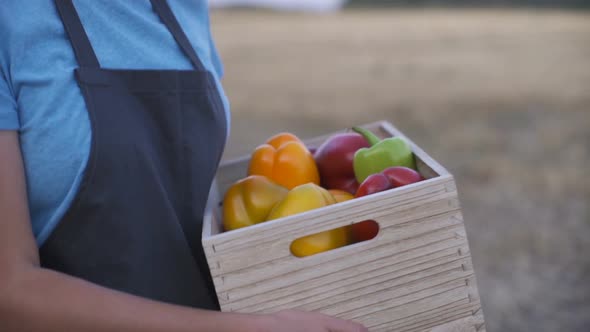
(501, 98)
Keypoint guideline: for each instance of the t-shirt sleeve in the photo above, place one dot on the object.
(217, 64)
(8, 108)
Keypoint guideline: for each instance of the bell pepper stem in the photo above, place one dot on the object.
(368, 135)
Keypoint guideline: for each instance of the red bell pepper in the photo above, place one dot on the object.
(334, 159)
(389, 178)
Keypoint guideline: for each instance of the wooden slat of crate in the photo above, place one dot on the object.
(416, 275)
(408, 197)
(254, 248)
(324, 287)
(235, 269)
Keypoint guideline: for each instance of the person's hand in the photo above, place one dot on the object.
(299, 321)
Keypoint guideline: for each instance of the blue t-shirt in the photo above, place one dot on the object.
(40, 98)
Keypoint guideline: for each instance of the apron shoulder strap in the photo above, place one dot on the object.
(83, 50)
(79, 39)
(163, 10)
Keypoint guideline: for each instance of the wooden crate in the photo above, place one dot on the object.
(416, 275)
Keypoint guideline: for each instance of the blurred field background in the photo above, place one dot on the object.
(500, 97)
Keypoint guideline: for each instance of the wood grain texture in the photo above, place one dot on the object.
(416, 275)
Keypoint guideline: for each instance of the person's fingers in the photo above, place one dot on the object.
(340, 325)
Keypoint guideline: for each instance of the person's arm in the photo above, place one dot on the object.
(36, 299)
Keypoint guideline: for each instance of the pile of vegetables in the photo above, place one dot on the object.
(285, 178)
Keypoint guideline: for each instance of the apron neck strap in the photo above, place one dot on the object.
(79, 39)
(83, 49)
(163, 10)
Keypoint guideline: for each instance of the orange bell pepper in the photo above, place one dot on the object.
(249, 201)
(285, 160)
(304, 198)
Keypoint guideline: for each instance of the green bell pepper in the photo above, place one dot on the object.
(381, 154)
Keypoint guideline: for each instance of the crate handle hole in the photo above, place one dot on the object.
(364, 231)
(313, 244)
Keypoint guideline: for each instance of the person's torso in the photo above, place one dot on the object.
(38, 61)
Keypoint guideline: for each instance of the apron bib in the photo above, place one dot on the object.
(157, 139)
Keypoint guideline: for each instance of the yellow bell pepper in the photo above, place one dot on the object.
(304, 198)
(249, 201)
(285, 160)
(340, 195)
